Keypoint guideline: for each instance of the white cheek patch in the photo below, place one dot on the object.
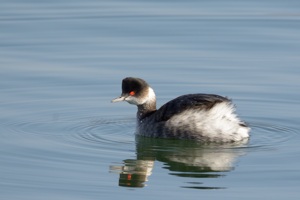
(150, 97)
(133, 100)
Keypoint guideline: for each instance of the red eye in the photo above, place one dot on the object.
(131, 93)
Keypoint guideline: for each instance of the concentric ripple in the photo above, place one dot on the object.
(111, 131)
(108, 132)
(270, 136)
(82, 132)
(69, 139)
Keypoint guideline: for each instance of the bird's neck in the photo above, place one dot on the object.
(148, 107)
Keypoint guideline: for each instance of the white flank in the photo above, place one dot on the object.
(219, 123)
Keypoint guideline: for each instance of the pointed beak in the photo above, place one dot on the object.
(118, 99)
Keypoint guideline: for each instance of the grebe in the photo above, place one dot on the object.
(203, 117)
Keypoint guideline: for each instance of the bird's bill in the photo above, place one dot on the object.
(118, 99)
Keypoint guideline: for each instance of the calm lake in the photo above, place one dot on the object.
(62, 62)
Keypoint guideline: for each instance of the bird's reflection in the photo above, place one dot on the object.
(181, 158)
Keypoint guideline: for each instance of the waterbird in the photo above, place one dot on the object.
(201, 117)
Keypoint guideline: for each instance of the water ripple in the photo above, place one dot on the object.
(101, 132)
(270, 136)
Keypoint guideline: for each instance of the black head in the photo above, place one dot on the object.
(135, 91)
(134, 86)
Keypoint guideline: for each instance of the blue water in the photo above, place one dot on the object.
(61, 62)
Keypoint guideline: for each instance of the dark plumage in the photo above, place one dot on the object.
(205, 117)
(184, 102)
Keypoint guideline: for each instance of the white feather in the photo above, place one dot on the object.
(218, 123)
(150, 97)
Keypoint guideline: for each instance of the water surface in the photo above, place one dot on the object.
(62, 62)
